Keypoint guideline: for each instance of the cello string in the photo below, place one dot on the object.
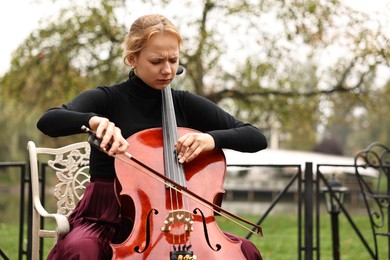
(167, 160)
(171, 163)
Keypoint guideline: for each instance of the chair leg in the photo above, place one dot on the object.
(35, 235)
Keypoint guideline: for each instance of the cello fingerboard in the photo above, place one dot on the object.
(173, 169)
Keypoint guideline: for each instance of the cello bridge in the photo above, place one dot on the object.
(178, 218)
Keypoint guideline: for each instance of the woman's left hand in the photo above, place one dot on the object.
(190, 145)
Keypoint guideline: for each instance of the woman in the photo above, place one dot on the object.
(114, 113)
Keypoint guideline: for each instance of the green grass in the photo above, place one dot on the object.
(9, 241)
(279, 240)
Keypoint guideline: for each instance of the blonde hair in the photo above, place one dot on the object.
(142, 30)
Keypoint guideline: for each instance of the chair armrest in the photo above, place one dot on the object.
(62, 223)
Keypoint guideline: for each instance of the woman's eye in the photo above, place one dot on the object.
(156, 62)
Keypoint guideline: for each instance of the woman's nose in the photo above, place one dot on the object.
(166, 68)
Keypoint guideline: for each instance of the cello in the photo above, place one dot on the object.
(173, 205)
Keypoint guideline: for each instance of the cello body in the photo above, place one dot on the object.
(164, 220)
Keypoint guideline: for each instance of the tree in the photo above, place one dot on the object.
(284, 75)
(266, 62)
(356, 125)
(78, 49)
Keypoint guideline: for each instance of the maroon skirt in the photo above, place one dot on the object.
(96, 222)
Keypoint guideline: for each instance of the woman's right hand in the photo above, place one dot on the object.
(111, 136)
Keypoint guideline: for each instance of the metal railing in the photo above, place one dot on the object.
(25, 201)
(308, 207)
(296, 178)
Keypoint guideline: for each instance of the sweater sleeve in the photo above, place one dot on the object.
(68, 119)
(62, 122)
(244, 138)
(227, 131)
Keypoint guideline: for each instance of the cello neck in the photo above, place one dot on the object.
(173, 169)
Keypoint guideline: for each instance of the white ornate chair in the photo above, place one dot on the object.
(71, 166)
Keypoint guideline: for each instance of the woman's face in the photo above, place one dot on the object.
(158, 62)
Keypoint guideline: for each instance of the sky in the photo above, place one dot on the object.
(17, 19)
(20, 17)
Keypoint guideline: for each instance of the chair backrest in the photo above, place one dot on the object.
(376, 195)
(70, 164)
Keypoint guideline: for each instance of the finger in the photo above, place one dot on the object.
(124, 145)
(108, 134)
(123, 148)
(192, 155)
(183, 144)
(195, 144)
(191, 152)
(180, 141)
(119, 144)
(114, 146)
(101, 127)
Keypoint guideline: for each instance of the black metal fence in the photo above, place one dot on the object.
(25, 203)
(308, 184)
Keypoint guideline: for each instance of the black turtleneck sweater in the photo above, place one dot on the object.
(133, 106)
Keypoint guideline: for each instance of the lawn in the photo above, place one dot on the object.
(279, 241)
